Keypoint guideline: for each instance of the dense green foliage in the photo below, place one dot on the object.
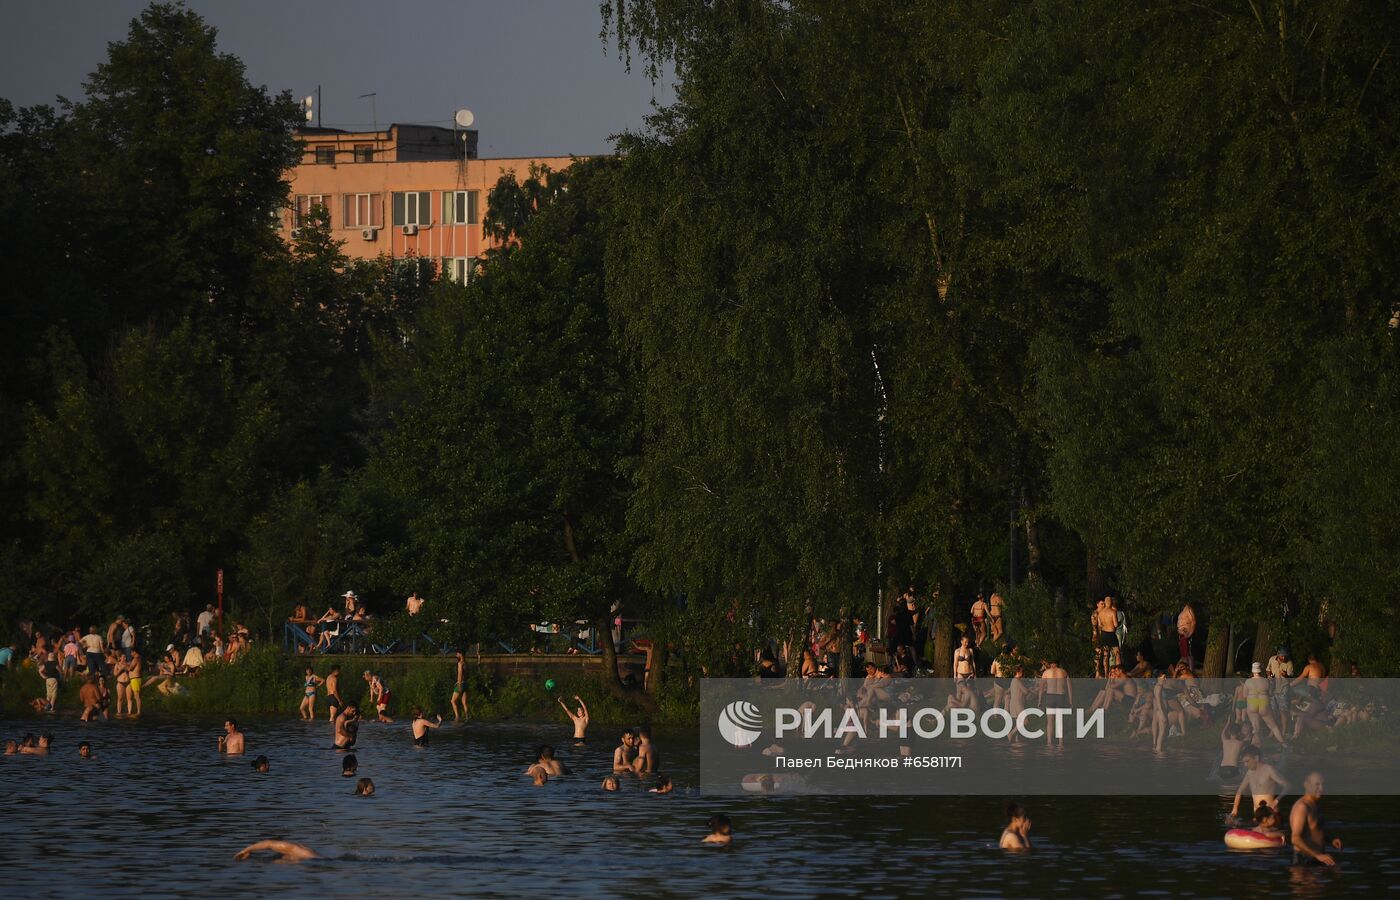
(888, 281)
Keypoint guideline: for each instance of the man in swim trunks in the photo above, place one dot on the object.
(333, 692)
(459, 688)
(1261, 780)
(1310, 841)
(231, 741)
(1106, 622)
(347, 727)
(421, 726)
(414, 604)
(580, 719)
(626, 751)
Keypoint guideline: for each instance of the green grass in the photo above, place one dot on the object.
(267, 681)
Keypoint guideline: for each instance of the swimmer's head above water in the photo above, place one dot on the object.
(364, 788)
(610, 783)
(348, 766)
(261, 764)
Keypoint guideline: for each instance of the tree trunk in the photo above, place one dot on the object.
(843, 665)
(1094, 587)
(943, 635)
(1032, 536)
(656, 676)
(1217, 644)
(1263, 642)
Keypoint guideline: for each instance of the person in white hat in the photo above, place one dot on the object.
(350, 603)
(1256, 699)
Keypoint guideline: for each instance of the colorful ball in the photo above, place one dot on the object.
(549, 684)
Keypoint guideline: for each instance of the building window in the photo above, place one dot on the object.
(413, 208)
(325, 156)
(363, 211)
(305, 203)
(460, 208)
(461, 269)
(364, 153)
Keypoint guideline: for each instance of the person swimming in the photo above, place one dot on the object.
(663, 786)
(1267, 820)
(545, 761)
(720, 830)
(364, 788)
(1016, 835)
(610, 783)
(286, 851)
(84, 750)
(421, 726)
(348, 766)
(539, 776)
(261, 765)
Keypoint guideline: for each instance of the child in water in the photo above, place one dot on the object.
(1016, 836)
(720, 830)
(364, 788)
(1267, 820)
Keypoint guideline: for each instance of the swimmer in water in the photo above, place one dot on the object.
(84, 750)
(11, 747)
(261, 765)
(663, 786)
(720, 830)
(348, 766)
(39, 747)
(347, 727)
(286, 851)
(610, 783)
(1261, 780)
(421, 726)
(1016, 835)
(1310, 840)
(1267, 820)
(646, 760)
(625, 753)
(580, 719)
(231, 741)
(364, 788)
(545, 762)
(540, 776)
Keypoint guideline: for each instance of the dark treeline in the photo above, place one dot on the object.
(891, 292)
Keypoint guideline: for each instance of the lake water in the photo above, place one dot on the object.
(161, 813)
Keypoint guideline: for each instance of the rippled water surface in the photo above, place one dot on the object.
(160, 813)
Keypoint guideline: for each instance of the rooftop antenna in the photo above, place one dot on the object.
(462, 119)
(373, 114)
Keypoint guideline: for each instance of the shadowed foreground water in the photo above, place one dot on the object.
(160, 813)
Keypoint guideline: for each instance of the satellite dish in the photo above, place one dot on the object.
(464, 118)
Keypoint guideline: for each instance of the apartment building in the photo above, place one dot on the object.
(406, 192)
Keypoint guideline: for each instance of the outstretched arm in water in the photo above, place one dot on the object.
(288, 851)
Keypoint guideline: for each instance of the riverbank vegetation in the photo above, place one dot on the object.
(1083, 295)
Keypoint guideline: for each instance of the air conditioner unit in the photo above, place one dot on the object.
(410, 230)
(369, 234)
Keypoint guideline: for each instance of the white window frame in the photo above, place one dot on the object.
(470, 203)
(460, 269)
(372, 207)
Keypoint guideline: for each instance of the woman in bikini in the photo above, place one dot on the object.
(308, 701)
(964, 665)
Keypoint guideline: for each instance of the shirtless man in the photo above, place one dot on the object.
(626, 751)
(1310, 841)
(459, 687)
(137, 669)
(231, 741)
(546, 763)
(421, 726)
(333, 692)
(414, 604)
(1312, 674)
(647, 760)
(1106, 623)
(286, 851)
(1261, 780)
(580, 720)
(347, 727)
(90, 697)
(1056, 692)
